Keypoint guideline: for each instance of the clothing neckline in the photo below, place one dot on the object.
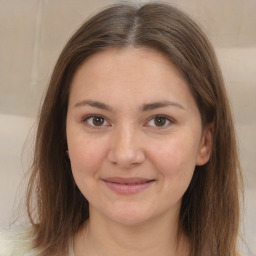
(71, 247)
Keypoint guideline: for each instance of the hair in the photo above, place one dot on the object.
(209, 213)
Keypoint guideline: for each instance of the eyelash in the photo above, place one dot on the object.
(153, 118)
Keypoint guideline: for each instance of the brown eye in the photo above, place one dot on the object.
(98, 120)
(160, 121)
(95, 121)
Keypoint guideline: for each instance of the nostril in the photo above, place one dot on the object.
(126, 158)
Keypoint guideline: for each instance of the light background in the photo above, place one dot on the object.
(32, 34)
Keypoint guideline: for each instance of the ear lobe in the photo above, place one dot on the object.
(205, 147)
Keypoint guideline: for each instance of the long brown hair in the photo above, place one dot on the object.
(209, 213)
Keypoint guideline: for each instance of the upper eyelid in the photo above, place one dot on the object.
(93, 115)
(161, 115)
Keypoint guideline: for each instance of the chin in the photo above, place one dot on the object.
(131, 217)
(130, 220)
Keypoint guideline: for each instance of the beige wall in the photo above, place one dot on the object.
(32, 34)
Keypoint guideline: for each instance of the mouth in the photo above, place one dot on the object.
(128, 185)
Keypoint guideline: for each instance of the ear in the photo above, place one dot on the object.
(205, 147)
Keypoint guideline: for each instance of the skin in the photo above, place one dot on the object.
(128, 141)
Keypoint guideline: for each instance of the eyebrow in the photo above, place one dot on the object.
(160, 104)
(144, 108)
(95, 104)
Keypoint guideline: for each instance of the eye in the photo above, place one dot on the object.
(160, 121)
(95, 121)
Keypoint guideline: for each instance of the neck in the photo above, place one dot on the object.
(105, 237)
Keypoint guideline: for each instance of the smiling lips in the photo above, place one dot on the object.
(127, 185)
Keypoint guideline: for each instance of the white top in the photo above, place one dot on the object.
(18, 242)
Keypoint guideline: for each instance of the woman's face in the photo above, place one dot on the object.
(134, 135)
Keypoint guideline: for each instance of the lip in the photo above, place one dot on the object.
(127, 186)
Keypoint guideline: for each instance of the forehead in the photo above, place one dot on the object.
(141, 73)
(126, 59)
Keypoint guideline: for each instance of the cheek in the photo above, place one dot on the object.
(86, 155)
(176, 156)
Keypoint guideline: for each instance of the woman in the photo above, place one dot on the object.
(135, 150)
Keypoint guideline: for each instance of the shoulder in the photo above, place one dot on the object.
(17, 242)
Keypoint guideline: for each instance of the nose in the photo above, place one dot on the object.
(125, 149)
